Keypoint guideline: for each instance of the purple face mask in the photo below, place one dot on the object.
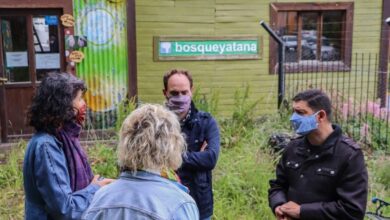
(179, 103)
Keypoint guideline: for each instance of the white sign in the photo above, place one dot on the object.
(16, 59)
(47, 60)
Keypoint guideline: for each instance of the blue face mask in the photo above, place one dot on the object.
(303, 125)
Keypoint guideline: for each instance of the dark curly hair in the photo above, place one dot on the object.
(52, 104)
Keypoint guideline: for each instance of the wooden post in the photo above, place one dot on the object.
(384, 55)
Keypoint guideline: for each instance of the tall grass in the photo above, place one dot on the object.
(240, 179)
(11, 184)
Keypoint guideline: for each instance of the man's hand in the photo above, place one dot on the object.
(291, 209)
(204, 145)
(280, 215)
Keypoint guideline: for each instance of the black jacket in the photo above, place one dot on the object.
(195, 172)
(328, 181)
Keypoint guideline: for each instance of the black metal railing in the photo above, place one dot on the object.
(353, 89)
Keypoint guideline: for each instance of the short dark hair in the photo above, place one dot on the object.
(316, 99)
(52, 104)
(173, 72)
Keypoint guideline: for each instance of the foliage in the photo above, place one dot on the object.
(240, 180)
(364, 121)
(103, 160)
(125, 107)
(242, 120)
(202, 102)
(11, 184)
(242, 174)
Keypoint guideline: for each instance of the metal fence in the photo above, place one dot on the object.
(354, 93)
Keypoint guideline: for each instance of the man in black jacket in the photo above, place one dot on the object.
(202, 136)
(322, 174)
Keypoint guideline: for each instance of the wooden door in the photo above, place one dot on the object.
(31, 45)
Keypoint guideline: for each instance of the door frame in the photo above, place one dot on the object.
(66, 7)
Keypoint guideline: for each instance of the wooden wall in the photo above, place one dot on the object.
(220, 18)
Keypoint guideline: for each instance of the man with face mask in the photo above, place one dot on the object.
(202, 137)
(322, 174)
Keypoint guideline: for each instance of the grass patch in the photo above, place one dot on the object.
(241, 177)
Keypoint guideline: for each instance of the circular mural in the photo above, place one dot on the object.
(98, 26)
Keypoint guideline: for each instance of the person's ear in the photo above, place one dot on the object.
(192, 90)
(322, 116)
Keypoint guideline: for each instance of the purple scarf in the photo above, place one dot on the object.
(78, 167)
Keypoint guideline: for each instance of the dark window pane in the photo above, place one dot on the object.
(309, 36)
(287, 30)
(46, 44)
(332, 35)
(14, 35)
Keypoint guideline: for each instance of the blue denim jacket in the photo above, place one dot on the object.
(46, 182)
(142, 196)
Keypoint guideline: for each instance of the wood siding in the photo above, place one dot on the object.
(228, 17)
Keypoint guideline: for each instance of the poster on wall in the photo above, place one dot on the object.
(75, 42)
(47, 60)
(102, 23)
(16, 59)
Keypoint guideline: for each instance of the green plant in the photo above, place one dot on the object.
(11, 184)
(240, 179)
(125, 107)
(103, 161)
(206, 103)
(241, 121)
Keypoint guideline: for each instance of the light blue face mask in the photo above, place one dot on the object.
(303, 125)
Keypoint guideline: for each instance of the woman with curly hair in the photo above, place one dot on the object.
(58, 180)
(150, 141)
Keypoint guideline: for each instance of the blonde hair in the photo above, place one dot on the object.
(150, 138)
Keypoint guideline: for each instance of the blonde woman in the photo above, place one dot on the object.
(150, 142)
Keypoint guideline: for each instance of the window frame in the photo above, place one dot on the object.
(29, 14)
(346, 49)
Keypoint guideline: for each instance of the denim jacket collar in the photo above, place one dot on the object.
(142, 175)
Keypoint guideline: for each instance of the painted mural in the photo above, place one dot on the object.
(104, 66)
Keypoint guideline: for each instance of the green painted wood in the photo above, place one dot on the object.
(229, 17)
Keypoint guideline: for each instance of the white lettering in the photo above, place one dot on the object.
(186, 48)
(229, 48)
(201, 48)
(222, 48)
(193, 48)
(178, 47)
(215, 48)
(208, 48)
(247, 47)
(239, 47)
(253, 47)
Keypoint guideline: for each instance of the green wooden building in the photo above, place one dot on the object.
(353, 27)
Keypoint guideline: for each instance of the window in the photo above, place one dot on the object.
(30, 44)
(315, 35)
(14, 35)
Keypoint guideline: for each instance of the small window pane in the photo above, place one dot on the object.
(332, 35)
(309, 36)
(288, 29)
(14, 35)
(46, 44)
